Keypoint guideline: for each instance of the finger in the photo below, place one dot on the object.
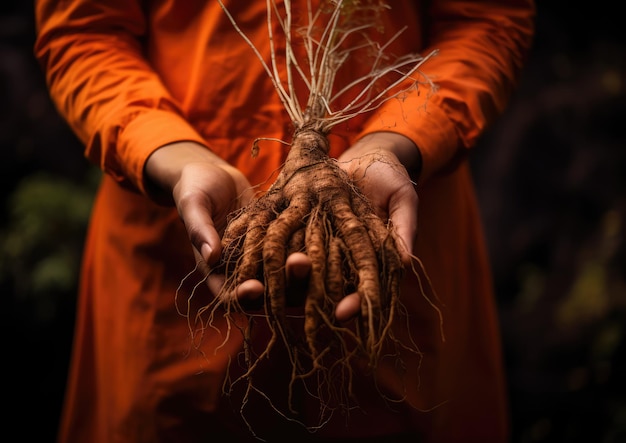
(348, 308)
(298, 266)
(207, 240)
(250, 295)
(201, 230)
(250, 290)
(215, 282)
(403, 216)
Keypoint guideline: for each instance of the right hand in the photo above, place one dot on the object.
(205, 189)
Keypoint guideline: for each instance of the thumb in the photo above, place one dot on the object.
(403, 217)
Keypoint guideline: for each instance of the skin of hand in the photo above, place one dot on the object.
(382, 164)
(205, 189)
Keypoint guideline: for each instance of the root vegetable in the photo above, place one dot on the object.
(314, 207)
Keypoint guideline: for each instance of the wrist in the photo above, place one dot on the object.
(164, 166)
(401, 146)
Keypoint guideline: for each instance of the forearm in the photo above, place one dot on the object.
(104, 87)
(481, 50)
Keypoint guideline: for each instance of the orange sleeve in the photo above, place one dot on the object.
(482, 46)
(99, 80)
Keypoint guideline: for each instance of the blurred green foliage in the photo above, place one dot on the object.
(41, 240)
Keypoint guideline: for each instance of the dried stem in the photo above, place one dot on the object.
(327, 49)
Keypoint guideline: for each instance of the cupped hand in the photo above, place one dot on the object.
(379, 164)
(205, 190)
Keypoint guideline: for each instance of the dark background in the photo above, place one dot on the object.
(551, 178)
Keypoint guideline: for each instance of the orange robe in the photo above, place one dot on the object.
(132, 76)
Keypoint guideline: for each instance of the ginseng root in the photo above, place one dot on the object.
(315, 208)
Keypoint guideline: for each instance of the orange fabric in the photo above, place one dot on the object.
(132, 76)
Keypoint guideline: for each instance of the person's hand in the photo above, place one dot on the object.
(379, 164)
(205, 189)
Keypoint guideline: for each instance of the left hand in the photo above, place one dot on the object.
(379, 164)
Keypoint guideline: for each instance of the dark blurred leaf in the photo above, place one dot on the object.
(41, 245)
